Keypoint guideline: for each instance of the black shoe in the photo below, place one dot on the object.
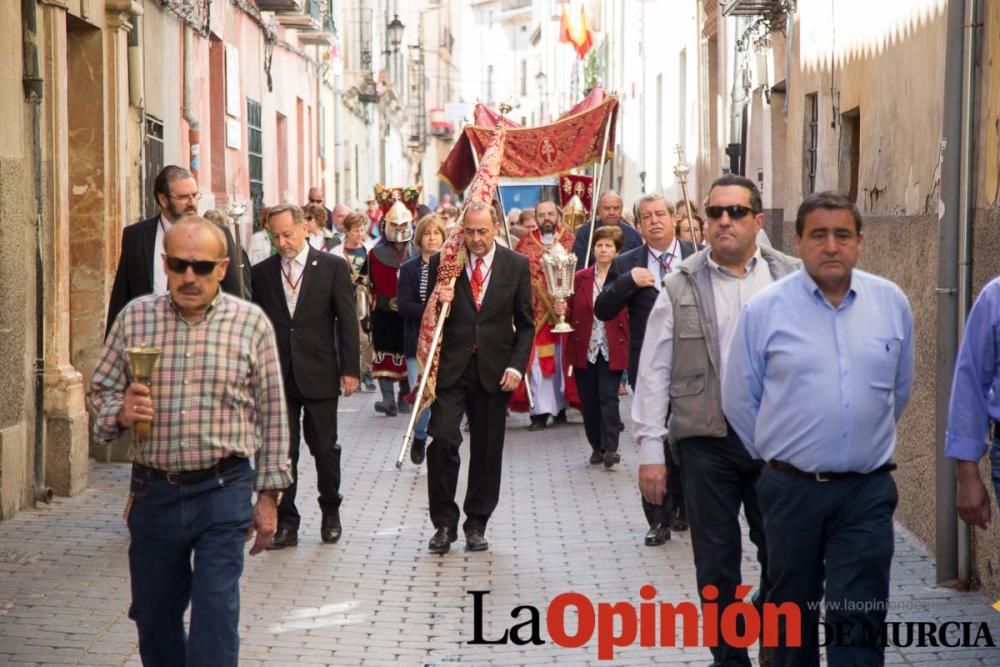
(657, 535)
(475, 540)
(596, 457)
(387, 409)
(441, 541)
(284, 537)
(560, 418)
(538, 422)
(417, 450)
(679, 522)
(403, 407)
(611, 458)
(331, 530)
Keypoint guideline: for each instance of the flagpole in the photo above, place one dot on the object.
(415, 412)
(597, 190)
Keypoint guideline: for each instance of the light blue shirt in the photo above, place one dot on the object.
(821, 387)
(975, 392)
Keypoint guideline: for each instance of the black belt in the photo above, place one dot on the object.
(186, 477)
(828, 476)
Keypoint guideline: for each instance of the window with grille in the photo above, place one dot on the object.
(255, 156)
(154, 163)
(810, 144)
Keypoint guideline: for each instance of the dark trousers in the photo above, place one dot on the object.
(487, 412)
(168, 523)
(597, 386)
(672, 499)
(719, 477)
(839, 532)
(319, 425)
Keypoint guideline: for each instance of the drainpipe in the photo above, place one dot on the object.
(953, 554)
(33, 92)
(194, 125)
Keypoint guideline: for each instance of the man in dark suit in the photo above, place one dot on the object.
(634, 281)
(609, 212)
(307, 295)
(140, 268)
(486, 343)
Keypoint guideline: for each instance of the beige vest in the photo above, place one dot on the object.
(695, 390)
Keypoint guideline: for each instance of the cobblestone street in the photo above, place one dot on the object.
(378, 597)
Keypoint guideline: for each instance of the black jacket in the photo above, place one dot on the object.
(410, 305)
(134, 277)
(620, 291)
(502, 330)
(321, 342)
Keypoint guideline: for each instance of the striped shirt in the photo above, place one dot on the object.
(216, 388)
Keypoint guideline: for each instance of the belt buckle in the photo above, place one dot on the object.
(173, 477)
(821, 477)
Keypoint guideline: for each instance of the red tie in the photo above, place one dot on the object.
(477, 282)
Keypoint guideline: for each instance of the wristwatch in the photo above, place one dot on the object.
(275, 494)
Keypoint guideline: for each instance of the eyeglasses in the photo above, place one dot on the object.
(191, 197)
(201, 267)
(735, 211)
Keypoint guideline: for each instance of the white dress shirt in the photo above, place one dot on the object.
(292, 270)
(486, 269)
(649, 409)
(673, 259)
(159, 274)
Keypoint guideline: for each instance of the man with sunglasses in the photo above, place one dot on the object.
(683, 356)
(140, 269)
(214, 401)
(308, 296)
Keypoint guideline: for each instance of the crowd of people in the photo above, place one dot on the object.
(764, 384)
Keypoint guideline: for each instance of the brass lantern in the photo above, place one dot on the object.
(574, 214)
(559, 266)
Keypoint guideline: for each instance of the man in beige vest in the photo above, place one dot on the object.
(683, 356)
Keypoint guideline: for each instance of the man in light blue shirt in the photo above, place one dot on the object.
(975, 403)
(819, 372)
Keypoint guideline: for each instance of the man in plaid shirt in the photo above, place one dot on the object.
(218, 402)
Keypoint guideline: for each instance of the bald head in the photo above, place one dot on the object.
(609, 207)
(195, 261)
(194, 232)
(315, 196)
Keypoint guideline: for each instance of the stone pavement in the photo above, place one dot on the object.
(378, 597)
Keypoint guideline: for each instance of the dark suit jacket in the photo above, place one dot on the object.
(410, 305)
(321, 342)
(502, 330)
(134, 277)
(580, 314)
(620, 291)
(632, 240)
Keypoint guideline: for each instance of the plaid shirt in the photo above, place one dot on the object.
(216, 388)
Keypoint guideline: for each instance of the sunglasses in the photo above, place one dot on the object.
(735, 211)
(201, 267)
(315, 201)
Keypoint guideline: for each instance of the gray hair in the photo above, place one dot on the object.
(650, 198)
(298, 217)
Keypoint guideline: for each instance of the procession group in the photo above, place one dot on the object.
(763, 384)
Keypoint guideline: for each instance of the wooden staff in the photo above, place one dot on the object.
(597, 190)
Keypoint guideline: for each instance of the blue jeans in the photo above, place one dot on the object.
(420, 427)
(168, 523)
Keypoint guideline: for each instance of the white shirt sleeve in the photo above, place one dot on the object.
(652, 386)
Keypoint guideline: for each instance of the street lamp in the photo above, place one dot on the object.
(394, 31)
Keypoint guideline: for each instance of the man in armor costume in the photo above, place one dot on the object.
(384, 260)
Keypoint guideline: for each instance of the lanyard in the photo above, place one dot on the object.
(663, 265)
(288, 277)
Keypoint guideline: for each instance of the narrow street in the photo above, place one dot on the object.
(378, 597)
